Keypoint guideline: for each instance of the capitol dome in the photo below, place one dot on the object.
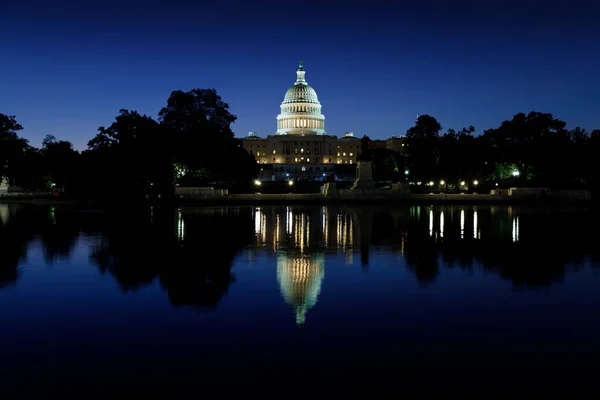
(300, 109)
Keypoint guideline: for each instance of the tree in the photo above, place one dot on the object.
(199, 124)
(59, 162)
(388, 165)
(132, 155)
(535, 143)
(462, 156)
(12, 147)
(422, 141)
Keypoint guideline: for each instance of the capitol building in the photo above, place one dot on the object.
(301, 148)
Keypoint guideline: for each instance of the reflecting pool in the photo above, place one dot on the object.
(107, 299)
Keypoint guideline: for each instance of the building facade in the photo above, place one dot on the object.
(301, 149)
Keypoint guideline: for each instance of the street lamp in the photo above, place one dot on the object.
(290, 182)
(405, 172)
(475, 183)
(257, 182)
(516, 173)
(462, 183)
(442, 182)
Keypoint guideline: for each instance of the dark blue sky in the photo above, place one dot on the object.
(68, 67)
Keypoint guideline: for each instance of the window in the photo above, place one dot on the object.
(274, 152)
(344, 154)
(351, 154)
(339, 154)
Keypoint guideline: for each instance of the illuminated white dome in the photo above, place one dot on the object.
(300, 279)
(300, 93)
(300, 109)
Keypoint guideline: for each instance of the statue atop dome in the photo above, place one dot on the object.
(300, 68)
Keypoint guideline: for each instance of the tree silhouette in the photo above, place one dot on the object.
(12, 147)
(199, 123)
(194, 270)
(422, 142)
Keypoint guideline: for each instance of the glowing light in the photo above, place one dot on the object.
(442, 224)
(430, 222)
(257, 182)
(180, 226)
(442, 182)
(515, 230)
(462, 183)
(290, 182)
(431, 183)
(288, 221)
(462, 224)
(516, 173)
(257, 220)
(406, 172)
(475, 183)
(475, 225)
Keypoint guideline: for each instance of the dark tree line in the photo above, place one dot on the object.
(164, 248)
(534, 149)
(190, 144)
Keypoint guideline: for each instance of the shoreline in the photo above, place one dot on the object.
(295, 199)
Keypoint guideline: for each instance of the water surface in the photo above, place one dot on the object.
(111, 298)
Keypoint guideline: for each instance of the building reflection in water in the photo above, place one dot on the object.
(300, 237)
(300, 278)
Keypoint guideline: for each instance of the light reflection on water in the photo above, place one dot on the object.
(398, 282)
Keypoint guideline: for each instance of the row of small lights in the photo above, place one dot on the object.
(258, 182)
(463, 183)
(431, 183)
